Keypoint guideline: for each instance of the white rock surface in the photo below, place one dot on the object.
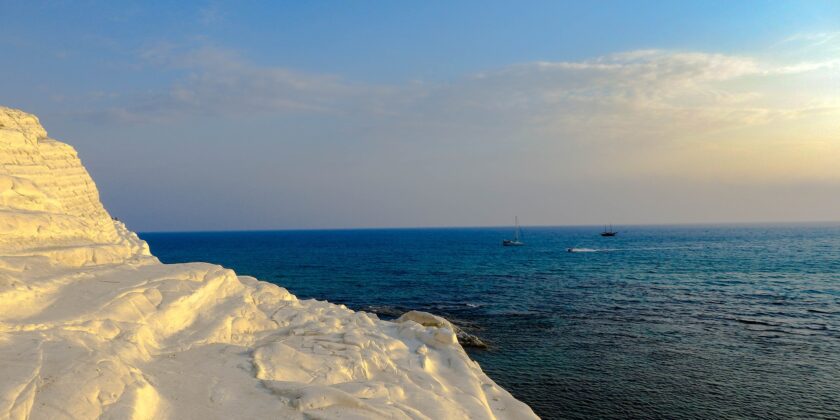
(93, 326)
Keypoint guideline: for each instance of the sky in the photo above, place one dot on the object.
(212, 115)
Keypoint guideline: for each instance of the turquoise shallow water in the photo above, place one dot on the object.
(658, 322)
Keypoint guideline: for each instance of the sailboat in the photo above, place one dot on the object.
(515, 241)
(609, 232)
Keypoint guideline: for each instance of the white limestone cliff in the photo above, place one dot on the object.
(93, 326)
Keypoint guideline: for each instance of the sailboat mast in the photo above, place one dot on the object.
(516, 234)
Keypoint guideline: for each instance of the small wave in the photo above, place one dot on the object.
(820, 311)
(756, 322)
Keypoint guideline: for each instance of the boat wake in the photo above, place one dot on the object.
(581, 250)
(664, 248)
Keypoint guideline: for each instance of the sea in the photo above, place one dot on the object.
(676, 322)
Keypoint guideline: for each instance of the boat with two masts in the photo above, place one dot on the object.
(516, 241)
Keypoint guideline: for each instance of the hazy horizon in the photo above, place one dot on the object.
(214, 116)
(620, 228)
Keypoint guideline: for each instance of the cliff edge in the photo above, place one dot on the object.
(93, 326)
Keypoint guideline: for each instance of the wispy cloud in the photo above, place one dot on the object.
(813, 40)
(636, 96)
(220, 82)
(210, 14)
(807, 66)
(648, 95)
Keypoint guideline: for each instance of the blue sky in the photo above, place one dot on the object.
(249, 115)
(393, 41)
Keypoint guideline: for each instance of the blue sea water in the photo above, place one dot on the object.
(658, 322)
